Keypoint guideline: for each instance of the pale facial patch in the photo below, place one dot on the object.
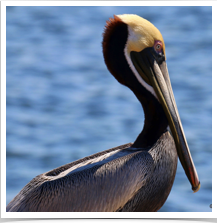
(142, 33)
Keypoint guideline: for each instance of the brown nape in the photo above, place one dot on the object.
(114, 40)
(111, 25)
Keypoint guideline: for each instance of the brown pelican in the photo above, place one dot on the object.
(136, 176)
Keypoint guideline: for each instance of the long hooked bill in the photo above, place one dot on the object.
(157, 76)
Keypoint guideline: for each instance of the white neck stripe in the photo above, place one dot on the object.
(135, 72)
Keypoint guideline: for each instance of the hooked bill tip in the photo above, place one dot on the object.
(197, 188)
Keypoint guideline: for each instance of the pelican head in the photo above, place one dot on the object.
(134, 52)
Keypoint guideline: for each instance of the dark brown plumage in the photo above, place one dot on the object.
(136, 176)
(98, 186)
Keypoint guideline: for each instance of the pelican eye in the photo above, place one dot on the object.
(158, 46)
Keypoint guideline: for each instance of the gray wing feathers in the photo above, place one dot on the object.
(104, 187)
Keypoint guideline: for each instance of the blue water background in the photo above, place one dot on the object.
(63, 104)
